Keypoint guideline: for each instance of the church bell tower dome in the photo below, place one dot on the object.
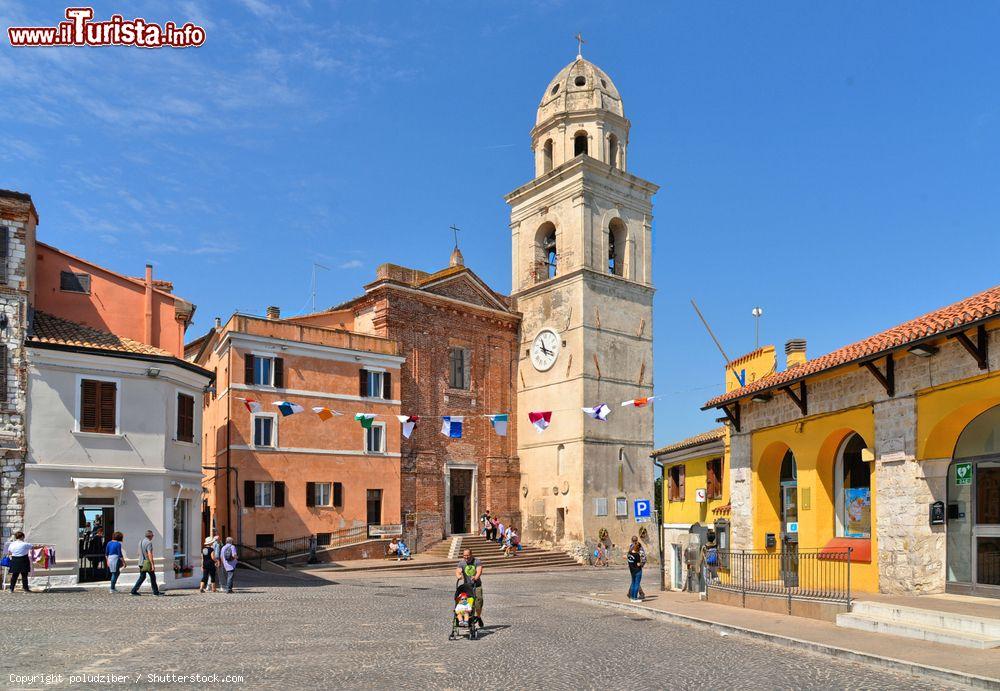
(580, 113)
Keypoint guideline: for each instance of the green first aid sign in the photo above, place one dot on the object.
(963, 473)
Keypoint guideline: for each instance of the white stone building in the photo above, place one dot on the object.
(115, 443)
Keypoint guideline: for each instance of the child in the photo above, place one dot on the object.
(463, 608)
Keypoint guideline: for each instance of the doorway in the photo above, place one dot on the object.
(789, 489)
(374, 507)
(95, 525)
(460, 500)
(560, 524)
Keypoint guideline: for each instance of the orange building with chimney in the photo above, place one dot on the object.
(274, 478)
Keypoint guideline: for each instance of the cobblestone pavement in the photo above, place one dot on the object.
(391, 632)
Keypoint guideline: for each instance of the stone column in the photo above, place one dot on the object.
(741, 491)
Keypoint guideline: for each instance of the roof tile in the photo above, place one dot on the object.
(47, 328)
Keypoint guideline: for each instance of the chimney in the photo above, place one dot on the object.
(148, 323)
(218, 323)
(795, 352)
(273, 312)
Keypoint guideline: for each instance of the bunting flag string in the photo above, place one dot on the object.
(251, 405)
(452, 426)
(598, 412)
(288, 408)
(540, 419)
(325, 414)
(499, 422)
(365, 419)
(408, 422)
(638, 402)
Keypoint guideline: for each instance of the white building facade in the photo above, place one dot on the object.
(114, 431)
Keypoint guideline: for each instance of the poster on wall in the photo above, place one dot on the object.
(858, 507)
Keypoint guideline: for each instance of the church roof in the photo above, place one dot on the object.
(580, 85)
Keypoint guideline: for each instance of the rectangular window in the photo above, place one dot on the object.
(621, 507)
(265, 539)
(180, 533)
(459, 368)
(263, 431)
(263, 494)
(263, 371)
(74, 283)
(713, 478)
(98, 406)
(338, 495)
(323, 539)
(185, 417)
(322, 494)
(372, 384)
(375, 438)
(601, 506)
(675, 487)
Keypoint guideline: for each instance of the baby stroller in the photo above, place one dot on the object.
(463, 587)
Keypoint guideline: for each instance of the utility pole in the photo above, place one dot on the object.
(757, 313)
(316, 266)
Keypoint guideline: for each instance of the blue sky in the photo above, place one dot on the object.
(836, 163)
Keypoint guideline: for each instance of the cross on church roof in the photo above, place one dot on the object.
(455, 229)
(580, 42)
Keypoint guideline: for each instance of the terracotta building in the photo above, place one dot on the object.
(271, 477)
(459, 339)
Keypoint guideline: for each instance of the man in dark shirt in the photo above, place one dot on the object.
(471, 570)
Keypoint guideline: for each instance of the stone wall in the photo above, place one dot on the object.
(17, 220)
(911, 553)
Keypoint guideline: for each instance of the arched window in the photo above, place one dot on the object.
(613, 151)
(617, 234)
(560, 460)
(546, 254)
(547, 156)
(852, 483)
(580, 143)
(789, 490)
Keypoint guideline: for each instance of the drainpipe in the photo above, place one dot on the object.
(148, 324)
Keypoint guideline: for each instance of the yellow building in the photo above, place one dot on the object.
(889, 446)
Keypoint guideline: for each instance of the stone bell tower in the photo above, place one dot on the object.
(581, 242)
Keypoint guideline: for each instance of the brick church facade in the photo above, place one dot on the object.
(460, 340)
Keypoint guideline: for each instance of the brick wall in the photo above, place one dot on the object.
(17, 220)
(426, 327)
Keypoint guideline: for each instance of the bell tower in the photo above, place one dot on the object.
(581, 243)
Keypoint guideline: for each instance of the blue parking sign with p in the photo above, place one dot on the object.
(643, 508)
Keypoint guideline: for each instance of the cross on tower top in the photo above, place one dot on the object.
(454, 230)
(579, 47)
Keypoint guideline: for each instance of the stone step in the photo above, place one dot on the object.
(933, 634)
(900, 614)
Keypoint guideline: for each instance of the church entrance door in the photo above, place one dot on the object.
(460, 500)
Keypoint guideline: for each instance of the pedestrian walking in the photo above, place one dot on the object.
(147, 565)
(484, 522)
(20, 563)
(229, 563)
(209, 566)
(634, 558)
(114, 557)
(500, 532)
(494, 522)
(470, 570)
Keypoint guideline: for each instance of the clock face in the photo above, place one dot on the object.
(545, 349)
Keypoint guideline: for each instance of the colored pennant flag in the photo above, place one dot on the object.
(252, 405)
(365, 419)
(599, 412)
(499, 423)
(638, 402)
(288, 408)
(451, 426)
(540, 419)
(408, 422)
(325, 414)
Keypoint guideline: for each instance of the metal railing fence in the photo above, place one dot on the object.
(807, 574)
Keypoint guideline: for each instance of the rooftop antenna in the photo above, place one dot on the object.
(316, 265)
(579, 46)
(716, 340)
(757, 313)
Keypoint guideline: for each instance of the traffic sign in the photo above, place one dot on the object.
(643, 508)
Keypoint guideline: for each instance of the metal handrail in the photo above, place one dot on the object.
(806, 574)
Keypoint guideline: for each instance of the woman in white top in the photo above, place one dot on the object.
(20, 563)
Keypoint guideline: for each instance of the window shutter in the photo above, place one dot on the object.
(106, 407)
(310, 494)
(248, 369)
(279, 372)
(249, 496)
(709, 479)
(338, 494)
(3, 376)
(4, 251)
(88, 405)
(363, 381)
(466, 368)
(386, 385)
(680, 483)
(185, 417)
(279, 494)
(718, 478)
